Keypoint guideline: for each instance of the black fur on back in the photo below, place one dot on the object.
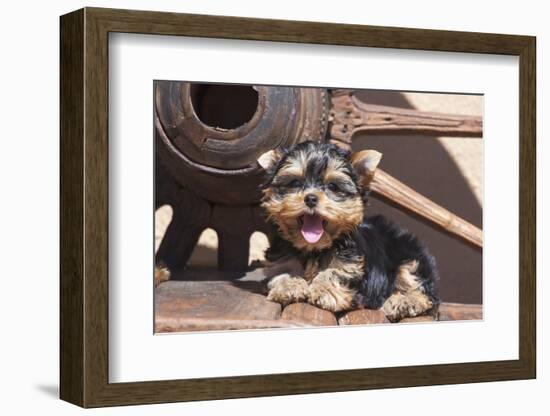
(386, 247)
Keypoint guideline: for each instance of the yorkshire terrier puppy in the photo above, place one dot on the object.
(326, 251)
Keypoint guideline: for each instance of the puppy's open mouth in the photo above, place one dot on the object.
(312, 227)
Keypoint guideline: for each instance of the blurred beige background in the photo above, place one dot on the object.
(447, 170)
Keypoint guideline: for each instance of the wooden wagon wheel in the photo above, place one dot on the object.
(208, 140)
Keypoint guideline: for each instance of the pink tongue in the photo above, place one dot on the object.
(312, 229)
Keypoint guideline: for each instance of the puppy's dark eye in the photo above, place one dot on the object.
(295, 183)
(333, 187)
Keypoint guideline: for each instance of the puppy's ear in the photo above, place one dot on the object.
(270, 159)
(268, 162)
(364, 163)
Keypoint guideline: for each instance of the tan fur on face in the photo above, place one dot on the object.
(295, 166)
(341, 217)
(285, 212)
(334, 166)
(334, 172)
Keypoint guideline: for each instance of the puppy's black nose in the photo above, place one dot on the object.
(311, 200)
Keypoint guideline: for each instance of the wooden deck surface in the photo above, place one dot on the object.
(204, 300)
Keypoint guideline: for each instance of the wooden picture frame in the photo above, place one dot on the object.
(84, 207)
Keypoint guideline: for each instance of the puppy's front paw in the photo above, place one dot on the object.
(330, 295)
(399, 306)
(285, 290)
(322, 299)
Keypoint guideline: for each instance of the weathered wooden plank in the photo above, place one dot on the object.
(459, 312)
(363, 317)
(308, 315)
(219, 305)
(417, 319)
(208, 305)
